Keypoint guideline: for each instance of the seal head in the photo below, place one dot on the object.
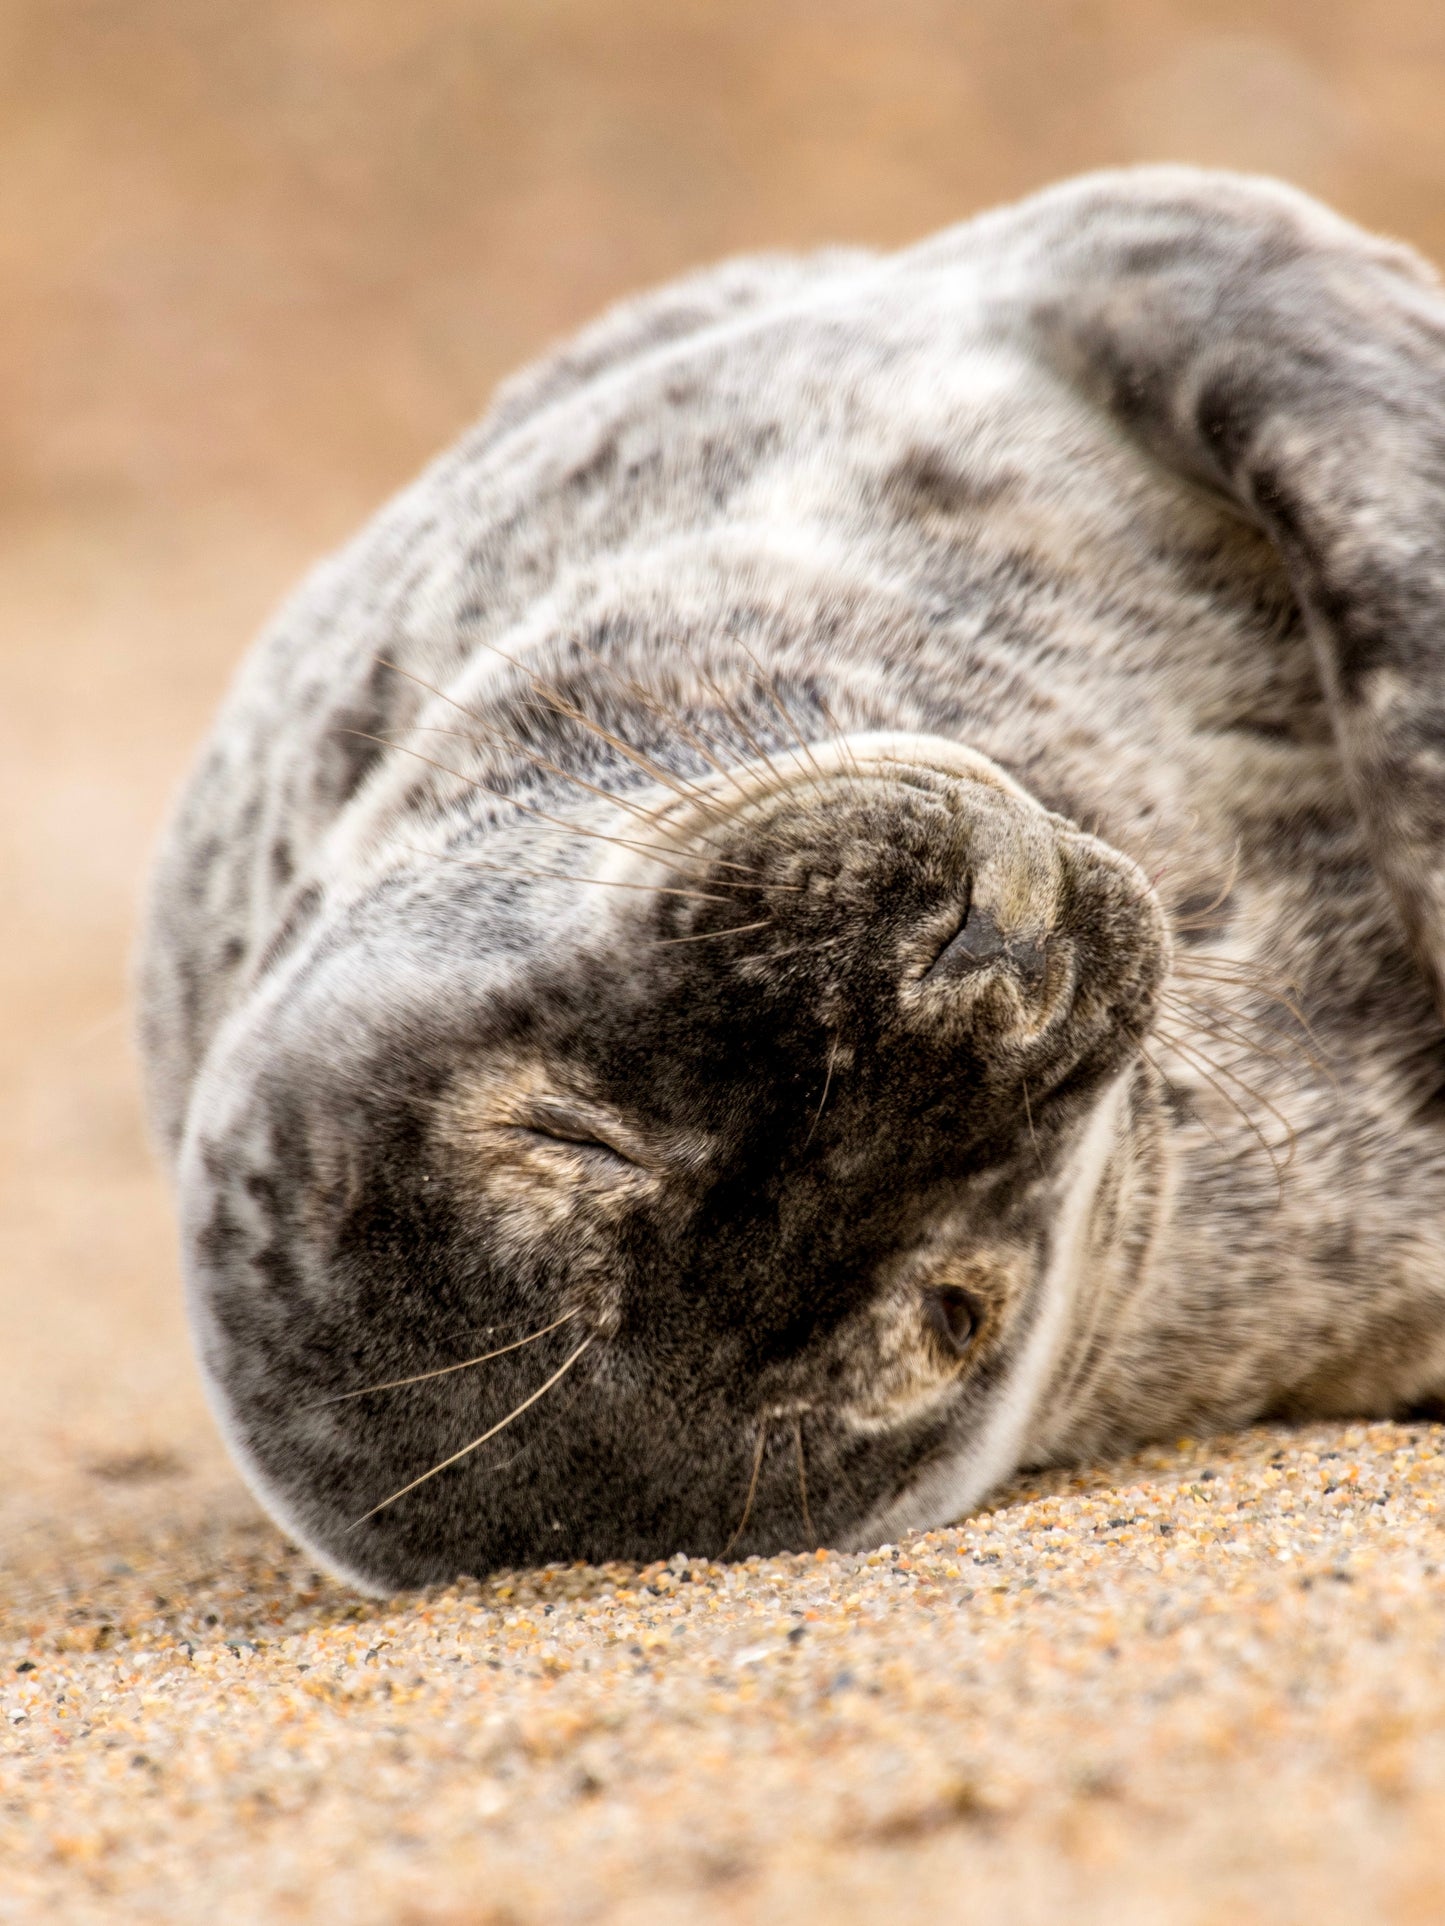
(735, 1161)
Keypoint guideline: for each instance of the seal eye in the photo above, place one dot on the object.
(576, 1140)
(952, 1316)
(559, 1124)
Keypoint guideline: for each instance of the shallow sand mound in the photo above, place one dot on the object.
(1203, 1685)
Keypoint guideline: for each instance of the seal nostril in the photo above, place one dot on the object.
(975, 945)
(952, 1316)
(1029, 957)
(979, 944)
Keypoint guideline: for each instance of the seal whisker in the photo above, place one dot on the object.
(650, 700)
(554, 699)
(1029, 1119)
(798, 949)
(1255, 983)
(1205, 1065)
(558, 1411)
(769, 683)
(669, 779)
(1214, 976)
(1228, 969)
(708, 936)
(530, 809)
(1222, 1023)
(1316, 1061)
(840, 737)
(808, 1526)
(733, 709)
(559, 704)
(721, 882)
(1163, 1076)
(466, 1449)
(421, 1377)
(516, 743)
(1224, 891)
(555, 769)
(819, 775)
(742, 1523)
(827, 1086)
(555, 876)
(655, 706)
(1242, 1027)
(699, 736)
(1228, 1097)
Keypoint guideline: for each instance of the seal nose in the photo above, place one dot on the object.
(980, 944)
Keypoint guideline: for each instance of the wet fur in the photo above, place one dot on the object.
(1134, 490)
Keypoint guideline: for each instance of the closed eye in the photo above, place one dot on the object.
(575, 1140)
(559, 1124)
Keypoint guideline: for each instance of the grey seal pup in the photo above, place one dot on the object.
(846, 898)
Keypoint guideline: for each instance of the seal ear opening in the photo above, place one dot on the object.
(1256, 343)
(954, 1317)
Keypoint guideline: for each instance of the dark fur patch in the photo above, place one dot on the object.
(925, 482)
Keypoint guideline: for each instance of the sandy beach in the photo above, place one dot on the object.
(1201, 1686)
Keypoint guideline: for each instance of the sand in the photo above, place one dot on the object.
(1205, 1685)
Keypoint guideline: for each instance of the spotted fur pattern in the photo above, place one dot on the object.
(866, 856)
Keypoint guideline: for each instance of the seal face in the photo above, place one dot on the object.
(653, 1058)
(757, 1155)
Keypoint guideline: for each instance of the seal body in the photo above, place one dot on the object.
(845, 898)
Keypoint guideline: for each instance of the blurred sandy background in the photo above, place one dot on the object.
(261, 260)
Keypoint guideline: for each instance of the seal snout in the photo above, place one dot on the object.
(897, 887)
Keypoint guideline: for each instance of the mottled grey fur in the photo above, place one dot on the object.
(1073, 1072)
